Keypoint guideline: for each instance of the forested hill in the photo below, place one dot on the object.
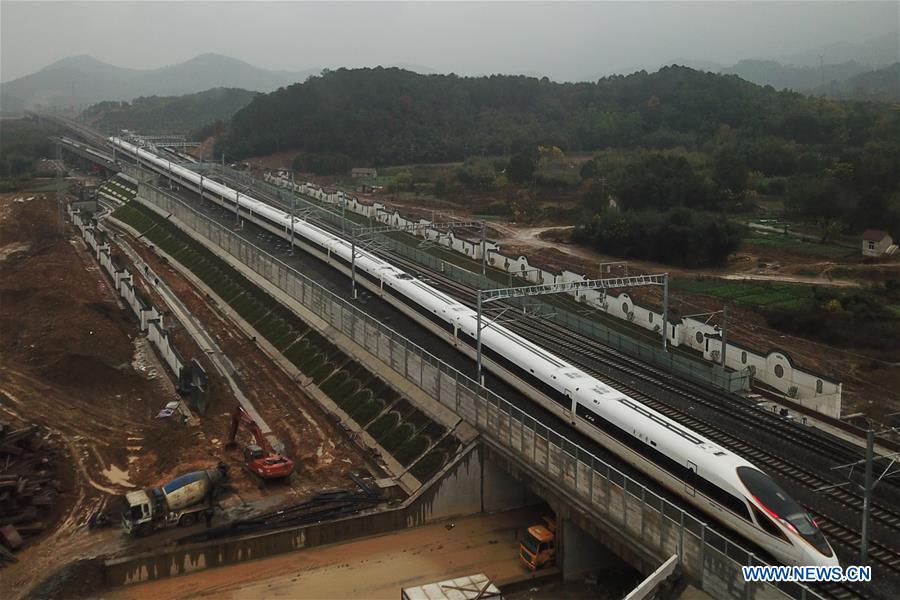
(391, 116)
(168, 114)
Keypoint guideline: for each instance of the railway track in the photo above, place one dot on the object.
(576, 347)
(587, 354)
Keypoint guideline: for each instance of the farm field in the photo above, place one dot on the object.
(774, 241)
(763, 295)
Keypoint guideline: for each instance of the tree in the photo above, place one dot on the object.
(828, 229)
(730, 172)
(589, 169)
(520, 168)
(403, 179)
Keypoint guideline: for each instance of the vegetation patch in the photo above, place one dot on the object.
(411, 449)
(428, 465)
(397, 436)
(383, 425)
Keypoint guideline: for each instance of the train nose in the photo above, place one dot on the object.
(818, 559)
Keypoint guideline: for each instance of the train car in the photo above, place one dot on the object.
(721, 484)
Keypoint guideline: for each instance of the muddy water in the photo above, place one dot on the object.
(372, 568)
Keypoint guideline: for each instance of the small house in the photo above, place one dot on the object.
(876, 242)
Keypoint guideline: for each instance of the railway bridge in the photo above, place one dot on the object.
(599, 508)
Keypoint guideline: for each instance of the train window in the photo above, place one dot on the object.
(767, 525)
(779, 371)
(743, 358)
(699, 337)
(818, 386)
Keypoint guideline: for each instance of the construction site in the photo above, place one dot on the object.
(227, 384)
(93, 416)
(84, 400)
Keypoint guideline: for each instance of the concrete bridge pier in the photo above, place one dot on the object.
(579, 553)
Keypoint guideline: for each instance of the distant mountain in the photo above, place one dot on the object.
(80, 81)
(803, 71)
(393, 117)
(882, 84)
(876, 52)
(168, 114)
(779, 76)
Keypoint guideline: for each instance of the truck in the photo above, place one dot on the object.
(181, 501)
(538, 547)
(260, 458)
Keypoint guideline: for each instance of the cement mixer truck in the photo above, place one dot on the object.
(181, 501)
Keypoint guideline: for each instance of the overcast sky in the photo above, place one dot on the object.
(563, 40)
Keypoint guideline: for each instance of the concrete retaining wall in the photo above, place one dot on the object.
(456, 491)
(149, 317)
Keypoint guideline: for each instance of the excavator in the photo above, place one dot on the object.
(260, 458)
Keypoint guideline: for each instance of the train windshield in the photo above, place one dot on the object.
(783, 507)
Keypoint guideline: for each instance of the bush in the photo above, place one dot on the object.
(428, 465)
(681, 236)
(367, 411)
(383, 424)
(395, 438)
(334, 382)
(355, 402)
(410, 450)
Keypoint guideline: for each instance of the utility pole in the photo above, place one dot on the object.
(483, 253)
(478, 344)
(867, 497)
(353, 265)
(292, 212)
(869, 482)
(665, 312)
(724, 333)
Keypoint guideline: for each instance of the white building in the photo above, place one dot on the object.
(876, 242)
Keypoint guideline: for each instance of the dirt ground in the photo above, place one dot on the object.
(371, 568)
(73, 364)
(322, 454)
(72, 360)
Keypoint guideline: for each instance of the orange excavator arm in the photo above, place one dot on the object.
(272, 465)
(240, 416)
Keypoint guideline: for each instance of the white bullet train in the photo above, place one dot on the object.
(718, 482)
